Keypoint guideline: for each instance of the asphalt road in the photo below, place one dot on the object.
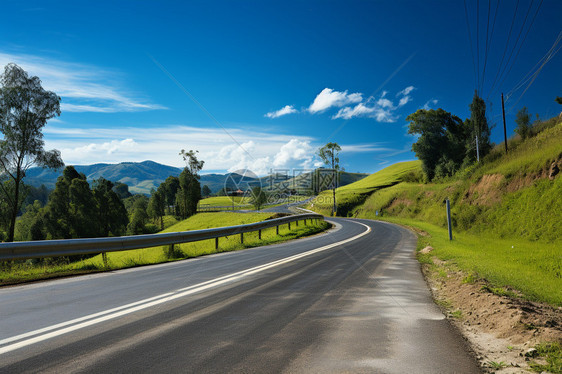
(310, 306)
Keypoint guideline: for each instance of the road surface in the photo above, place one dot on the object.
(307, 306)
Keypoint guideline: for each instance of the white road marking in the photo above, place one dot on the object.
(43, 334)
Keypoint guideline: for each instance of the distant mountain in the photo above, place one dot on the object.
(142, 177)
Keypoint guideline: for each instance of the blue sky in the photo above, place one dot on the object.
(262, 85)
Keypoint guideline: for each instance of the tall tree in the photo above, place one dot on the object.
(205, 191)
(330, 156)
(259, 197)
(479, 143)
(111, 214)
(157, 207)
(523, 121)
(441, 142)
(25, 108)
(189, 192)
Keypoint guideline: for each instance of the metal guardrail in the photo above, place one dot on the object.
(69, 247)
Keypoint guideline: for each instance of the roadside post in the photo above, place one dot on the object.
(449, 226)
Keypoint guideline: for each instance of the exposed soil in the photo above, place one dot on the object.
(487, 191)
(500, 329)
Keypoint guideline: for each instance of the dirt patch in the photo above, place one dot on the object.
(487, 191)
(500, 328)
(399, 202)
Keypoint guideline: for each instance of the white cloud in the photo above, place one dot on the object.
(294, 152)
(256, 150)
(429, 104)
(364, 148)
(287, 109)
(406, 91)
(329, 98)
(405, 100)
(381, 111)
(83, 88)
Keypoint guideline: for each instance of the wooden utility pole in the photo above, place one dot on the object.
(504, 130)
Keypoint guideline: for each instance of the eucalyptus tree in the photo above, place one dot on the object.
(330, 156)
(189, 191)
(25, 108)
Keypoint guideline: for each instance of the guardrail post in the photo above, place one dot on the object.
(242, 237)
(216, 243)
(104, 258)
(289, 223)
(297, 222)
(259, 234)
(276, 230)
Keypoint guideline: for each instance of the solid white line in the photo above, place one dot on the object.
(92, 319)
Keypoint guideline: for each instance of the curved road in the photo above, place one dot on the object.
(348, 300)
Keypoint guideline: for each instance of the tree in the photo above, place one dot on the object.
(441, 142)
(189, 191)
(205, 191)
(139, 217)
(169, 189)
(329, 155)
(111, 214)
(259, 197)
(157, 207)
(523, 121)
(559, 100)
(479, 142)
(25, 108)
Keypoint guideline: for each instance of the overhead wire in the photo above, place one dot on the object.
(509, 62)
(470, 41)
(548, 55)
(491, 37)
(477, 42)
(522, 42)
(506, 45)
(535, 75)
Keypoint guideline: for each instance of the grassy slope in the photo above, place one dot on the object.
(355, 193)
(506, 215)
(118, 260)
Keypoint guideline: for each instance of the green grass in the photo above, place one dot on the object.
(354, 194)
(27, 271)
(224, 201)
(552, 353)
(534, 269)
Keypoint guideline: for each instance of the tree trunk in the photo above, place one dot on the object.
(15, 209)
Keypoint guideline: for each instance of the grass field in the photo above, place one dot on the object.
(118, 260)
(356, 193)
(224, 201)
(531, 268)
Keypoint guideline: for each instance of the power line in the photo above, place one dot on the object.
(536, 74)
(548, 55)
(470, 41)
(491, 37)
(478, 41)
(503, 75)
(506, 45)
(481, 84)
(523, 42)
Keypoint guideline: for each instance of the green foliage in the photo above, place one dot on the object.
(116, 260)
(479, 127)
(111, 214)
(139, 216)
(523, 121)
(188, 195)
(441, 142)
(259, 197)
(552, 352)
(205, 191)
(25, 108)
(157, 207)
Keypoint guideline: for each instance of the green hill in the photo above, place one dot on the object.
(506, 212)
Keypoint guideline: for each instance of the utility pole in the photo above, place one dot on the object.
(504, 130)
